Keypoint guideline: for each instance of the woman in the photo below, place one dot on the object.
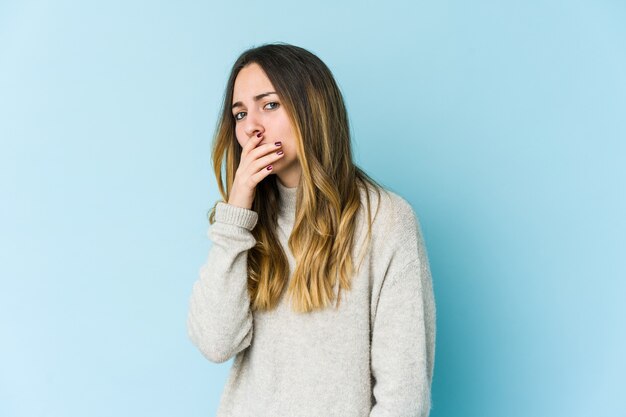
(311, 335)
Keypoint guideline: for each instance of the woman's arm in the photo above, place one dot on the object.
(220, 323)
(403, 342)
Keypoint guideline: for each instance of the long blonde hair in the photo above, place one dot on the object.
(328, 198)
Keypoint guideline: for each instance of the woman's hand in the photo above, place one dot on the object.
(255, 164)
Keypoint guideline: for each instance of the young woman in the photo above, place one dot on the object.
(310, 333)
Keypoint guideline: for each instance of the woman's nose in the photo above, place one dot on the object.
(252, 125)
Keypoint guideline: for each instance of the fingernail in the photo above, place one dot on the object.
(259, 134)
(279, 152)
(269, 167)
(278, 143)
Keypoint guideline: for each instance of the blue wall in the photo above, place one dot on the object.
(503, 123)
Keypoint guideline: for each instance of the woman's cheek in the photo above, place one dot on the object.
(239, 138)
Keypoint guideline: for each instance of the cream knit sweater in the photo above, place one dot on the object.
(374, 356)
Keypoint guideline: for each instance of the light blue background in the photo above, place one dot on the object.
(503, 123)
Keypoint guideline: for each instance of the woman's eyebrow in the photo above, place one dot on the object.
(255, 98)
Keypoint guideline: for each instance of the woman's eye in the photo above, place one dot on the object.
(276, 105)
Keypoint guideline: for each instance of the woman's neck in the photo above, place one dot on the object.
(287, 199)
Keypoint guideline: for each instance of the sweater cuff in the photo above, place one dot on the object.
(239, 216)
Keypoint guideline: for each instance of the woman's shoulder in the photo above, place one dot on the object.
(392, 216)
(393, 208)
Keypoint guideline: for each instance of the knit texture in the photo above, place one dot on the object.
(374, 356)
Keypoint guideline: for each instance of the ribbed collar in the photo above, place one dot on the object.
(287, 198)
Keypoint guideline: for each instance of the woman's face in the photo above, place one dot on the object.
(255, 111)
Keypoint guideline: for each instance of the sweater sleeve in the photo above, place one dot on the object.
(219, 320)
(403, 343)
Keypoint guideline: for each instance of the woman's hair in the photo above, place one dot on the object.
(328, 197)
